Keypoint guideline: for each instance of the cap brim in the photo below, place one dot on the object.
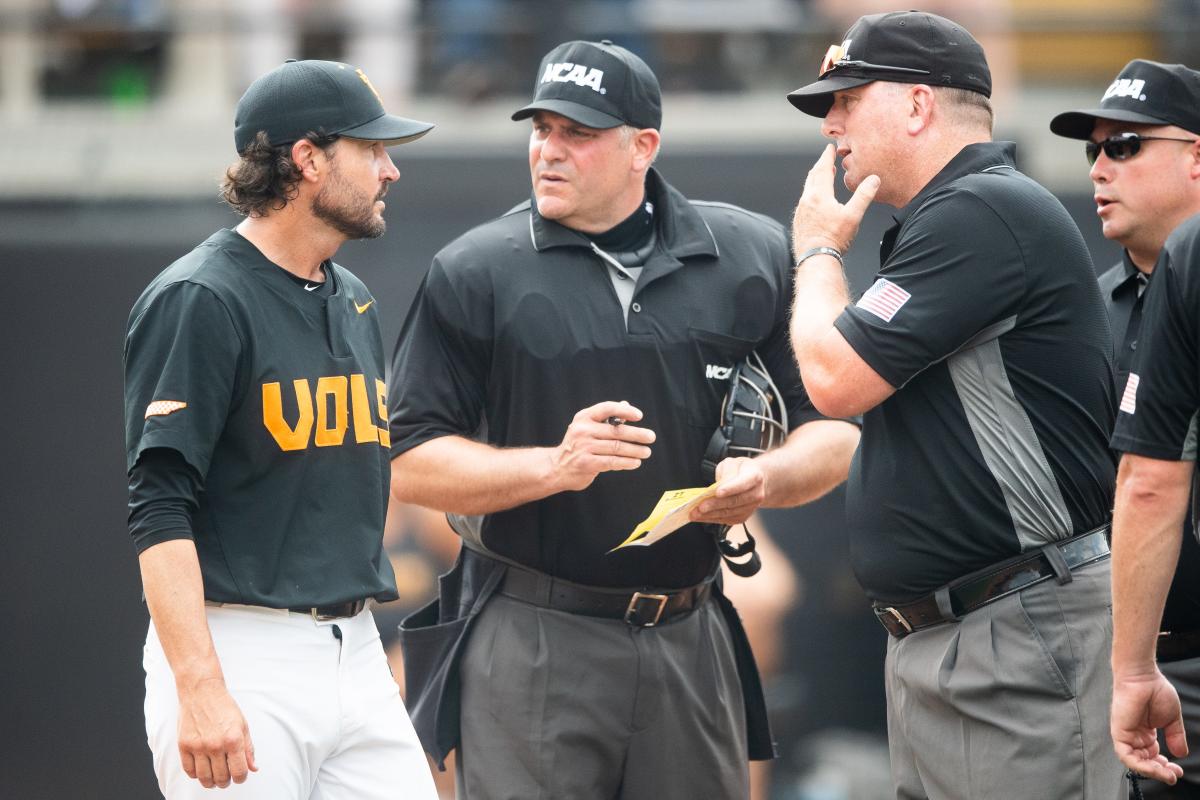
(573, 111)
(817, 98)
(389, 129)
(1079, 124)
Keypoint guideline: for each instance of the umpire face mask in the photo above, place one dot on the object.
(753, 417)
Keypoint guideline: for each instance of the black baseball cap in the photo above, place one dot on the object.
(325, 97)
(1144, 91)
(900, 47)
(597, 84)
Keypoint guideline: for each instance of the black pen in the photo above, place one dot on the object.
(615, 421)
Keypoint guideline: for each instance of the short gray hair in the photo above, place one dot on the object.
(627, 132)
(966, 108)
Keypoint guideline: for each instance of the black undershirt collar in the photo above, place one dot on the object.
(629, 235)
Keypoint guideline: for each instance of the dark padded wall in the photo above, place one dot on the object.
(71, 671)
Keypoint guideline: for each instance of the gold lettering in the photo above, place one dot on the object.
(287, 437)
(364, 424)
(327, 435)
(370, 85)
(385, 438)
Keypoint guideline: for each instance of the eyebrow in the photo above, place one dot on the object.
(568, 124)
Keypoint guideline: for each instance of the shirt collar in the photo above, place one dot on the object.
(972, 158)
(679, 226)
(1131, 275)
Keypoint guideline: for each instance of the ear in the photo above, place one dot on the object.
(309, 158)
(645, 147)
(920, 106)
(1194, 163)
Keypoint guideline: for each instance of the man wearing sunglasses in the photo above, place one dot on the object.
(1142, 144)
(978, 503)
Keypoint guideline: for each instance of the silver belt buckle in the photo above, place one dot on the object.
(896, 615)
(633, 607)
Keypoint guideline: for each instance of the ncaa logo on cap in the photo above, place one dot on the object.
(1125, 87)
(578, 74)
(1145, 92)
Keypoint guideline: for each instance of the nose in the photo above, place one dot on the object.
(1101, 171)
(552, 147)
(389, 172)
(831, 126)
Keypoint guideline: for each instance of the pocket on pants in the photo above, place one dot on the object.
(514, 663)
(1049, 648)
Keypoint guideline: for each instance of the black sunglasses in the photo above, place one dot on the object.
(1124, 146)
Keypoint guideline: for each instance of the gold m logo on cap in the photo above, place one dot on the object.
(367, 81)
(835, 54)
(160, 408)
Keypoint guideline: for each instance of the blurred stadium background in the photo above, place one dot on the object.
(118, 123)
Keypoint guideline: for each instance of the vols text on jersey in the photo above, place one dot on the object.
(324, 413)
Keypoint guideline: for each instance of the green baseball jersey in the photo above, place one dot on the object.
(276, 397)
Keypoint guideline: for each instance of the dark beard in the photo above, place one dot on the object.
(351, 223)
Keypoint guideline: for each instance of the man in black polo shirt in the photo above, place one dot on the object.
(561, 367)
(1156, 431)
(1141, 142)
(978, 501)
(256, 440)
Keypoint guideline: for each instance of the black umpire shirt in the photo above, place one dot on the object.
(986, 317)
(1123, 289)
(1160, 405)
(517, 326)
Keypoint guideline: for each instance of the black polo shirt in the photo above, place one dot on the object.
(1123, 288)
(986, 317)
(1160, 405)
(1160, 402)
(275, 397)
(517, 327)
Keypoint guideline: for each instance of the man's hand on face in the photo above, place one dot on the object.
(820, 220)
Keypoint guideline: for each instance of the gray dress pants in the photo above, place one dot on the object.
(1011, 702)
(559, 706)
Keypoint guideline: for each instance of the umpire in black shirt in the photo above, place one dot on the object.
(1145, 170)
(980, 358)
(590, 673)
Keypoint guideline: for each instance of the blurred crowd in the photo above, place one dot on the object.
(127, 51)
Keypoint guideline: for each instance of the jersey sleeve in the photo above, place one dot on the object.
(441, 362)
(1157, 416)
(182, 355)
(956, 271)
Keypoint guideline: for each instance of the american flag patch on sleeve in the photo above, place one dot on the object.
(883, 299)
(1129, 398)
(161, 408)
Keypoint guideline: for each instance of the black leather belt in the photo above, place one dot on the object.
(643, 608)
(336, 611)
(970, 592)
(1177, 645)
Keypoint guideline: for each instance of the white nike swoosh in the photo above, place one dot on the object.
(308, 288)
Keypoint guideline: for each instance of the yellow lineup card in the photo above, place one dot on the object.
(669, 515)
